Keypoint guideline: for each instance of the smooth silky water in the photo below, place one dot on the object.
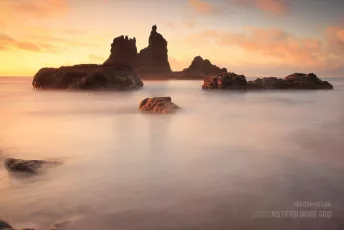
(227, 160)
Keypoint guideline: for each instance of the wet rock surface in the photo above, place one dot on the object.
(28, 166)
(293, 81)
(88, 77)
(158, 105)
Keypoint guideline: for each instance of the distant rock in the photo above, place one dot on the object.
(203, 67)
(293, 81)
(117, 76)
(158, 105)
(152, 59)
(29, 166)
(123, 49)
(64, 225)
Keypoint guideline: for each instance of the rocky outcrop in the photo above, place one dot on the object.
(152, 59)
(29, 166)
(225, 81)
(123, 49)
(293, 81)
(158, 105)
(88, 77)
(203, 67)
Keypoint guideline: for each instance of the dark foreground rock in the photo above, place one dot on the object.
(158, 105)
(293, 81)
(29, 166)
(88, 77)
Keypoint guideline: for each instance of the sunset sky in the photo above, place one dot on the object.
(251, 37)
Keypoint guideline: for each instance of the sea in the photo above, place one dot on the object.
(228, 160)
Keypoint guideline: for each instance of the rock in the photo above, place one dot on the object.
(4, 225)
(30, 166)
(123, 50)
(158, 105)
(152, 59)
(203, 67)
(293, 81)
(118, 76)
(225, 81)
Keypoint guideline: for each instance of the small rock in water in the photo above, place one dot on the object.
(30, 166)
(158, 105)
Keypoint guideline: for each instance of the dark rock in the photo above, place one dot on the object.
(117, 76)
(123, 50)
(158, 105)
(4, 225)
(293, 81)
(225, 81)
(203, 67)
(152, 59)
(30, 166)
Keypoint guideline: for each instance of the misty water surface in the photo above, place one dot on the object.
(224, 158)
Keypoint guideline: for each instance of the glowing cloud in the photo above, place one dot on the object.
(202, 7)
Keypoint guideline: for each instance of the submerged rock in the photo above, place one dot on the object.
(158, 105)
(30, 166)
(88, 77)
(293, 81)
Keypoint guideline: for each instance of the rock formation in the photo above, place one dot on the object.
(29, 166)
(152, 59)
(123, 50)
(88, 77)
(293, 81)
(225, 81)
(158, 105)
(203, 67)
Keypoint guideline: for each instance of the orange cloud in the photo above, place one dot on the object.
(33, 8)
(273, 7)
(277, 7)
(202, 7)
(8, 42)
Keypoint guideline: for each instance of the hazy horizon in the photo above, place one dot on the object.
(251, 37)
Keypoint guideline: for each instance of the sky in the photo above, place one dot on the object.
(257, 38)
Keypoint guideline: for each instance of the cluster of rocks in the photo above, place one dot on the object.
(88, 77)
(203, 67)
(152, 59)
(158, 105)
(293, 81)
